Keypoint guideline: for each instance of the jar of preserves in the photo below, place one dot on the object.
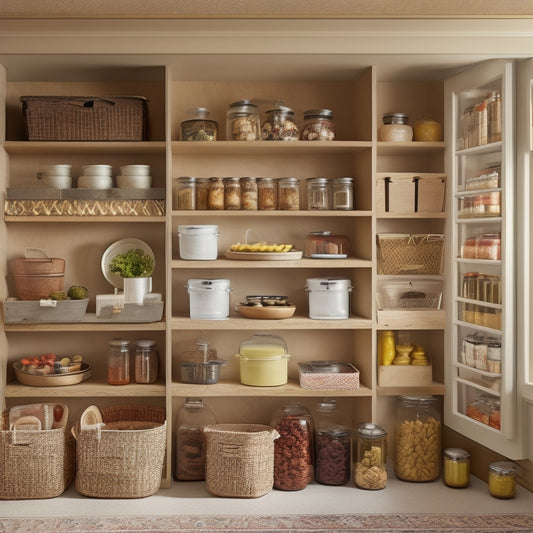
(280, 125)
(332, 445)
(370, 470)
(215, 199)
(267, 194)
(418, 439)
(502, 479)
(249, 194)
(146, 361)
(118, 362)
(190, 451)
(242, 121)
(232, 194)
(343, 195)
(199, 128)
(324, 243)
(289, 194)
(293, 450)
(395, 128)
(185, 194)
(318, 194)
(318, 125)
(456, 468)
(202, 193)
(427, 130)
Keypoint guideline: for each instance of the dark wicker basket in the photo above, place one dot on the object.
(85, 118)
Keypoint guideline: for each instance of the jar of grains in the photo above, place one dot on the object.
(280, 125)
(418, 439)
(370, 470)
(293, 450)
(456, 468)
(118, 362)
(249, 194)
(185, 194)
(242, 121)
(199, 128)
(289, 194)
(202, 193)
(395, 128)
(332, 446)
(502, 479)
(146, 361)
(232, 194)
(318, 125)
(215, 200)
(267, 194)
(318, 194)
(343, 199)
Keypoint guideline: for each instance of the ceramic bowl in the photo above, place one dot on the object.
(55, 170)
(57, 182)
(97, 170)
(95, 182)
(135, 170)
(134, 182)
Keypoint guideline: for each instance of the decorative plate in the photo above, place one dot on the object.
(51, 380)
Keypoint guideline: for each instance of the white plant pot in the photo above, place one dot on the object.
(135, 289)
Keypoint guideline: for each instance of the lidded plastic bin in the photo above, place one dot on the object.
(209, 298)
(198, 243)
(329, 298)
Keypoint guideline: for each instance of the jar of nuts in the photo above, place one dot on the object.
(293, 450)
(417, 454)
(280, 125)
(242, 122)
(370, 470)
(318, 125)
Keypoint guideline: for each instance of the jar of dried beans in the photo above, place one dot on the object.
(267, 194)
(232, 194)
(318, 125)
(280, 125)
(288, 194)
(249, 194)
(293, 450)
(332, 446)
(370, 470)
(242, 121)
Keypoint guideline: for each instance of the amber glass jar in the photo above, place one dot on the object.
(428, 130)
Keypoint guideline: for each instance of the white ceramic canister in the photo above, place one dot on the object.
(329, 298)
(208, 298)
(198, 242)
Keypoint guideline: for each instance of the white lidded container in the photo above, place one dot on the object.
(209, 298)
(198, 242)
(329, 298)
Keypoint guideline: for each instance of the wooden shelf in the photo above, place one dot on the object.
(84, 220)
(84, 147)
(400, 319)
(410, 215)
(407, 148)
(300, 263)
(88, 323)
(435, 388)
(301, 213)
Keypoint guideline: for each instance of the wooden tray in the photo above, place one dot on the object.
(64, 311)
(52, 380)
(264, 256)
(265, 312)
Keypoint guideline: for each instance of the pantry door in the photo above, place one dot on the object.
(480, 342)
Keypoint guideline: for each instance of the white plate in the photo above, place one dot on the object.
(120, 247)
(328, 256)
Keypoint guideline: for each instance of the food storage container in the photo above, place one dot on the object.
(456, 468)
(418, 438)
(318, 125)
(288, 194)
(200, 364)
(343, 194)
(242, 121)
(328, 375)
(208, 298)
(318, 194)
(326, 245)
(263, 360)
(146, 361)
(199, 128)
(395, 128)
(427, 130)
(502, 479)
(118, 362)
(37, 277)
(185, 194)
(267, 194)
(249, 194)
(232, 193)
(202, 193)
(280, 125)
(198, 242)
(329, 298)
(370, 471)
(215, 199)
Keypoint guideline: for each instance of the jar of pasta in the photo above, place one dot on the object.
(202, 193)
(232, 194)
(185, 194)
(267, 194)
(242, 121)
(215, 199)
(289, 194)
(370, 470)
(249, 194)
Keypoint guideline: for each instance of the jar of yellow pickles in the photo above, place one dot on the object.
(456, 467)
(502, 479)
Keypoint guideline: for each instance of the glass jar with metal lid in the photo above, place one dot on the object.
(324, 244)
(318, 125)
(242, 121)
(289, 194)
(456, 467)
(502, 479)
(232, 194)
(318, 194)
(185, 194)
(249, 194)
(215, 199)
(199, 128)
(267, 194)
(395, 128)
(202, 193)
(280, 125)
(146, 361)
(370, 470)
(343, 198)
(118, 362)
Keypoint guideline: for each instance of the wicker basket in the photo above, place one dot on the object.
(124, 460)
(239, 460)
(35, 463)
(410, 253)
(85, 118)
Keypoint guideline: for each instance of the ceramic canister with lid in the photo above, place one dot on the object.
(209, 298)
(198, 242)
(329, 298)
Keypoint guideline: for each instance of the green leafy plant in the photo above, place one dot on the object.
(134, 263)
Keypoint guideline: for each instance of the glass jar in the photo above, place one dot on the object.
(288, 194)
(418, 439)
(332, 446)
(293, 450)
(118, 362)
(494, 116)
(343, 198)
(456, 468)
(249, 194)
(502, 479)
(267, 192)
(318, 194)
(395, 128)
(318, 125)
(428, 130)
(242, 121)
(202, 193)
(280, 125)
(190, 451)
(370, 470)
(215, 200)
(146, 361)
(232, 194)
(325, 243)
(185, 194)
(199, 128)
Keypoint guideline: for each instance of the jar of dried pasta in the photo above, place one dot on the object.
(242, 121)
(370, 470)
(249, 194)
(267, 194)
(185, 194)
(289, 194)
(232, 194)
(202, 193)
(215, 200)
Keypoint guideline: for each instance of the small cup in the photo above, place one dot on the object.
(135, 170)
(57, 182)
(97, 170)
(54, 170)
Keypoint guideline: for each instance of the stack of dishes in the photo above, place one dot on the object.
(56, 176)
(134, 177)
(96, 177)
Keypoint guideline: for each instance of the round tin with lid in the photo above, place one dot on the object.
(395, 128)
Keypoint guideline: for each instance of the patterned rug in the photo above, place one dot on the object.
(401, 523)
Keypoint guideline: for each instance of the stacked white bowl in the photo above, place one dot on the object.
(134, 177)
(56, 176)
(96, 177)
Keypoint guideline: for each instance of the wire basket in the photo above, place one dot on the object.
(423, 294)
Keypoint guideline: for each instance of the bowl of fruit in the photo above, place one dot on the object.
(49, 370)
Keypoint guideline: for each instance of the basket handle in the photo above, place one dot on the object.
(84, 102)
(35, 253)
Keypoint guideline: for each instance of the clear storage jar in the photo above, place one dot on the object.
(199, 128)
(146, 361)
(395, 128)
(318, 194)
(417, 454)
(502, 479)
(242, 121)
(456, 468)
(267, 194)
(343, 194)
(324, 244)
(118, 362)
(280, 125)
(215, 200)
(318, 125)
(232, 194)
(249, 194)
(288, 194)
(202, 193)
(185, 194)
(370, 471)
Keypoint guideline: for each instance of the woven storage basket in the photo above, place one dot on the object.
(125, 461)
(410, 253)
(239, 460)
(35, 463)
(85, 118)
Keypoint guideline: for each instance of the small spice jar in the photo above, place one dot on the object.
(280, 125)
(428, 130)
(370, 470)
(232, 194)
(318, 125)
(215, 200)
(242, 121)
(318, 194)
(146, 361)
(199, 128)
(395, 128)
(288, 194)
(118, 362)
(267, 194)
(202, 193)
(502, 479)
(456, 468)
(249, 194)
(343, 198)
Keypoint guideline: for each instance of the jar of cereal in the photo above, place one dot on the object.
(242, 121)
(370, 470)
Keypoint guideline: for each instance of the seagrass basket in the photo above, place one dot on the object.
(124, 456)
(239, 460)
(35, 463)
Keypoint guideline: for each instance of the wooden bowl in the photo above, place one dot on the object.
(266, 312)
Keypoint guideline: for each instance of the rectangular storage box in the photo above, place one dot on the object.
(85, 118)
(44, 311)
(405, 375)
(328, 375)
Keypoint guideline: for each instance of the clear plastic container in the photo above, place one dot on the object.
(456, 468)
(200, 364)
(280, 125)
(146, 361)
(185, 194)
(199, 128)
(395, 128)
(118, 362)
(370, 471)
(267, 194)
(288, 194)
(343, 194)
(318, 125)
(242, 121)
(324, 244)
(318, 194)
